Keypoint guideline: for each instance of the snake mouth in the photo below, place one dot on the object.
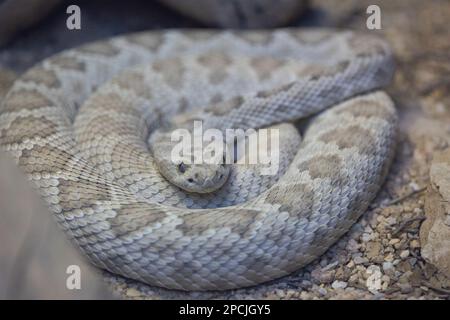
(203, 183)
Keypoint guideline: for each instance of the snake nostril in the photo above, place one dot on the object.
(182, 167)
(190, 180)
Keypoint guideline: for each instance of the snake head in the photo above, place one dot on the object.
(185, 172)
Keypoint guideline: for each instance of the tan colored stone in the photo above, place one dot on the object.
(435, 231)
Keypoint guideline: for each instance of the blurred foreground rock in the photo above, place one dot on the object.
(35, 256)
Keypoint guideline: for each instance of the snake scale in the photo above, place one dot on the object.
(79, 123)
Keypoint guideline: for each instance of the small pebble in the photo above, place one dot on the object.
(389, 257)
(373, 282)
(414, 186)
(322, 291)
(366, 237)
(360, 260)
(394, 241)
(447, 220)
(391, 221)
(387, 266)
(131, 292)
(414, 244)
(385, 281)
(339, 284)
(412, 261)
(352, 245)
(305, 295)
(321, 276)
(306, 283)
(405, 288)
(404, 254)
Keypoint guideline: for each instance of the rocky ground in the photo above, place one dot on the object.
(382, 257)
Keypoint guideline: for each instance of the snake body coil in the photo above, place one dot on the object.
(88, 155)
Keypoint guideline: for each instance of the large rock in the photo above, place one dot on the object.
(36, 260)
(17, 15)
(435, 231)
(240, 14)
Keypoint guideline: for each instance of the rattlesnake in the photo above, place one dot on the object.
(87, 152)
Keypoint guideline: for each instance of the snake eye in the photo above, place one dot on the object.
(182, 167)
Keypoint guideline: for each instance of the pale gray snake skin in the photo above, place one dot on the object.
(93, 167)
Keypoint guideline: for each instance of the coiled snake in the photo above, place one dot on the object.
(88, 153)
